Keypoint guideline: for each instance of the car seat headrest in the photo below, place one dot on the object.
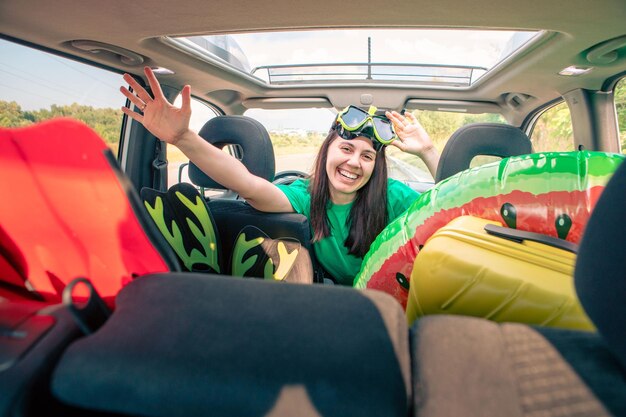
(493, 139)
(600, 273)
(252, 139)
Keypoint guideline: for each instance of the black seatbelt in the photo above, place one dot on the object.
(159, 164)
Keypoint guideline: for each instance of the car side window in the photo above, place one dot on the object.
(620, 110)
(177, 161)
(37, 86)
(440, 126)
(553, 130)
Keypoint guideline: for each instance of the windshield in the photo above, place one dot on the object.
(297, 134)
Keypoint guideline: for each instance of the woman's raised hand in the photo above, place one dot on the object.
(413, 138)
(163, 120)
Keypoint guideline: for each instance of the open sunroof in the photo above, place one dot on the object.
(433, 57)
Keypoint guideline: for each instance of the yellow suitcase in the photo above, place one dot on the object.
(463, 269)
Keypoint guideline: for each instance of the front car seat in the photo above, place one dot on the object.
(492, 139)
(278, 235)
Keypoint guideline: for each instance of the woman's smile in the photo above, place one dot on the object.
(347, 174)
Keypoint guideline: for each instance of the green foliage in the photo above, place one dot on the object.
(285, 143)
(11, 115)
(553, 131)
(441, 125)
(106, 122)
(620, 108)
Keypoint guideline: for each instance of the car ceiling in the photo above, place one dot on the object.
(137, 26)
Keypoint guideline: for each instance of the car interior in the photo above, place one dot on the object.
(133, 284)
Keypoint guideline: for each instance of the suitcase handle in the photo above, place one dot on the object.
(521, 235)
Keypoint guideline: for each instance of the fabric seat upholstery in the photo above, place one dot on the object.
(492, 139)
(191, 344)
(466, 366)
(600, 273)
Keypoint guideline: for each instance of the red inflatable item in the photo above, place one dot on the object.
(65, 214)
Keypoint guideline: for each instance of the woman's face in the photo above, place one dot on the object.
(349, 166)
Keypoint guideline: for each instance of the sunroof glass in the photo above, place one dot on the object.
(451, 57)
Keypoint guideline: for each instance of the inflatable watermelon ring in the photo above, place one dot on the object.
(549, 193)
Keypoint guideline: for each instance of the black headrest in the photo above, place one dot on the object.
(252, 138)
(600, 273)
(494, 139)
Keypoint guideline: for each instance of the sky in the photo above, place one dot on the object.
(36, 80)
(451, 47)
(33, 78)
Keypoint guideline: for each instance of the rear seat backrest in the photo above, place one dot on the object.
(66, 212)
(202, 345)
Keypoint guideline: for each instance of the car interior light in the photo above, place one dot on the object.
(452, 109)
(574, 70)
(162, 70)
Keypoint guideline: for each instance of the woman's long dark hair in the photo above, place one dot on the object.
(368, 216)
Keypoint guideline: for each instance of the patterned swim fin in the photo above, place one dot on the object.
(184, 219)
(255, 254)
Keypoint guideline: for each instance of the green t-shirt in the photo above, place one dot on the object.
(330, 251)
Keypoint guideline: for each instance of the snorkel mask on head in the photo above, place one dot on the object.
(353, 122)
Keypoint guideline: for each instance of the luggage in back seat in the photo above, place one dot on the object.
(475, 267)
(466, 366)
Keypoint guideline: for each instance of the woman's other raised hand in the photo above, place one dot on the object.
(413, 138)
